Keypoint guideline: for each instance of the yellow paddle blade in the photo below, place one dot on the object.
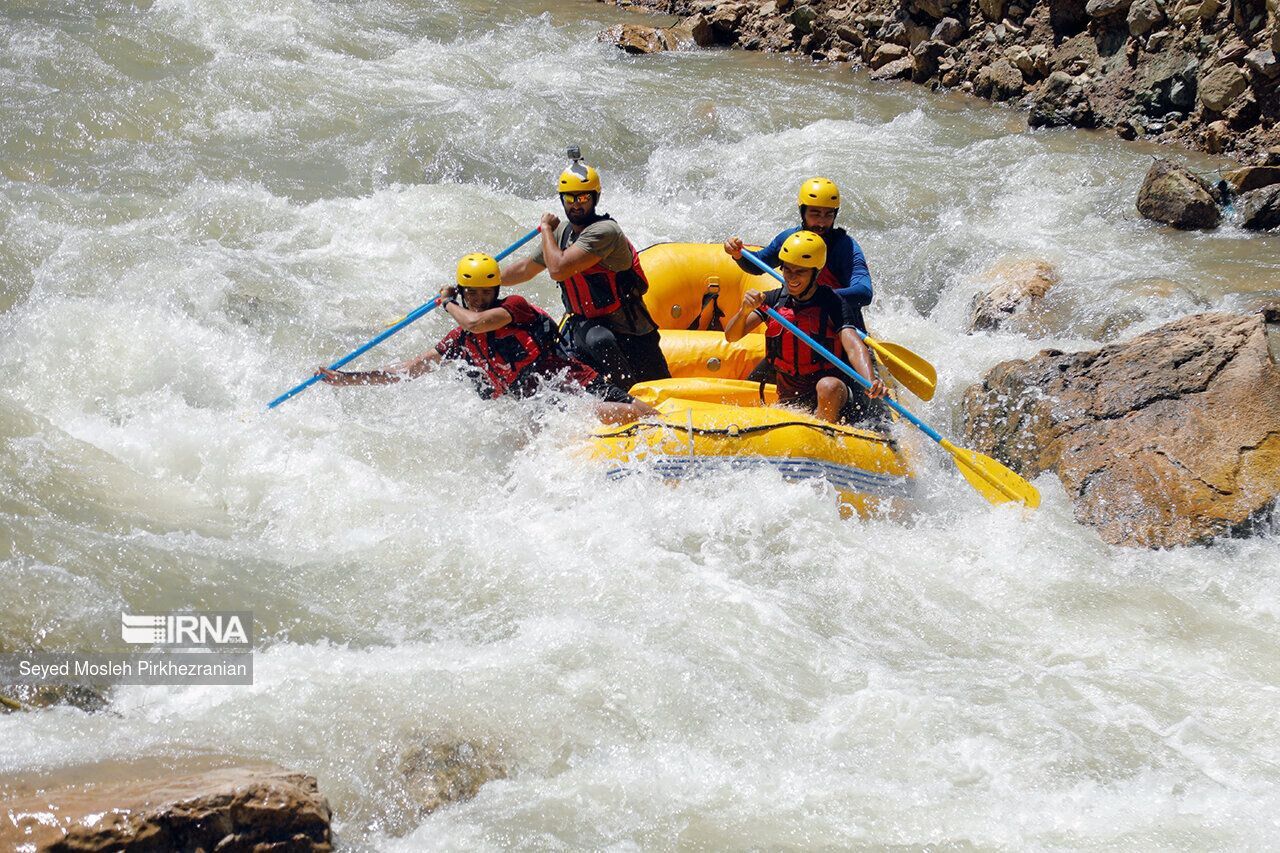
(916, 375)
(993, 481)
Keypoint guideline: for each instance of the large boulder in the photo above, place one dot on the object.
(1177, 197)
(1170, 439)
(1221, 86)
(1260, 209)
(1018, 287)
(247, 809)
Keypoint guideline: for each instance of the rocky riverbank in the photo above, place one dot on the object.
(1198, 73)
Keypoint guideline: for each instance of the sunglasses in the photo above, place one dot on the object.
(576, 198)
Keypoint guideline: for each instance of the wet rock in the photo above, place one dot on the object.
(32, 697)
(949, 31)
(999, 81)
(895, 70)
(1221, 86)
(1177, 197)
(1252, 178)
(634, 38)
(1144, 17)
(1170, 439)
(1018, 288)
(437, 774)
(887, 53)
(1260, 209)
(699, 29)
(232, 809)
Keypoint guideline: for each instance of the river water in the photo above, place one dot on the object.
(200, 201)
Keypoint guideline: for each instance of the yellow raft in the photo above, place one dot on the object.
(713, 419)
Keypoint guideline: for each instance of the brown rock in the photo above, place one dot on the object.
(936, 9)
(232, 809)
(1170, 439)
(926, 59)
(999, 81)
(1144, 16)
(1252, 178)
(948, 31)
(895, 70)
(1220, 87)
(1106, 8)
(634, 38)
(1260, 209)
(1018, 287)
(993, 10)
(437, 774)
(1173, 195)
(700, 30)
(887, 53)
(726, 20)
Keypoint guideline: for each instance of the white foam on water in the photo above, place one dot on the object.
(722, 664)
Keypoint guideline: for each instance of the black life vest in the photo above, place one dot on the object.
(789, 354)
(598, 291)
(504, 355)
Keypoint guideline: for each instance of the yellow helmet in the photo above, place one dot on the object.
(578, 178)
(478, 270)
(804, 249)
(819, 192)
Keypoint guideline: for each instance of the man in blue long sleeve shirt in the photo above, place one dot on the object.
(846, 270)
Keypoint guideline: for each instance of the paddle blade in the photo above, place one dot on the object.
(993, 481)
(916, 374)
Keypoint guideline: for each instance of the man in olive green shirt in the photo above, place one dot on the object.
(601, 283)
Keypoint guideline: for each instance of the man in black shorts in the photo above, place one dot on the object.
(601, 282)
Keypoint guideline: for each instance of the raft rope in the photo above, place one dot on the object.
(735, 431)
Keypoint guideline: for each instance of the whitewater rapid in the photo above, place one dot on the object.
(202, 201)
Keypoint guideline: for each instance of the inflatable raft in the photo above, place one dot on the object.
(713, 419)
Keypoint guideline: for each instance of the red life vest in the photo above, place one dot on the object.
(789, 354)
(503, 355)
(826, 278)
(598, 291)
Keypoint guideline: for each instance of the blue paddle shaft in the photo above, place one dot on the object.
(411, 317)
(751, 256)
(839, 363)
